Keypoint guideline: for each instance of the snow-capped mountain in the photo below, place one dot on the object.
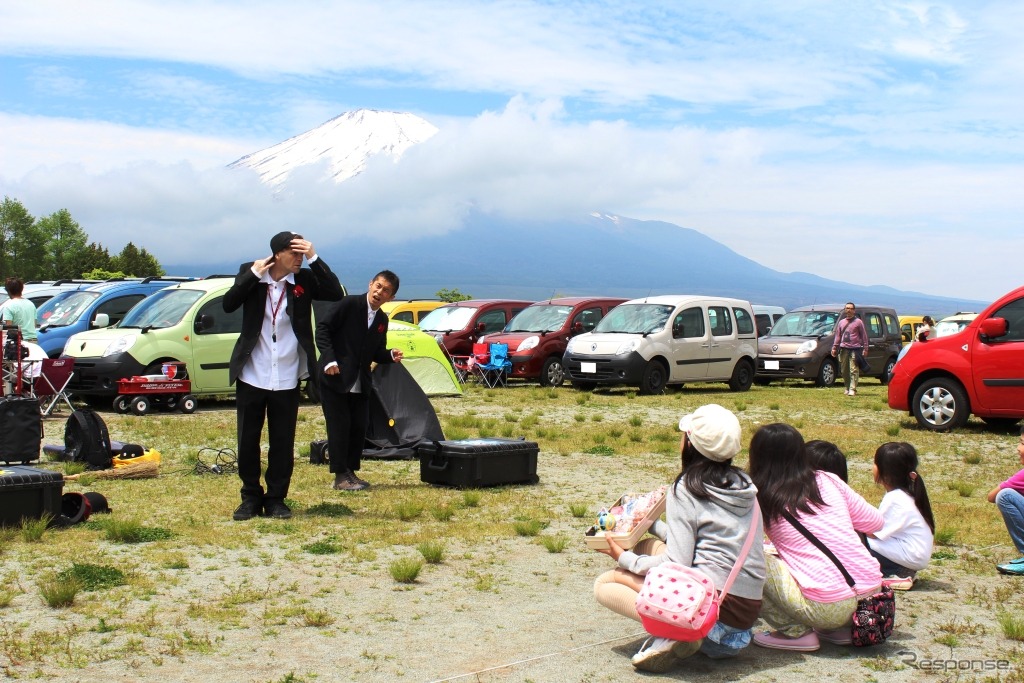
(347, 141)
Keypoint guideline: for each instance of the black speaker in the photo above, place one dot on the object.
(318, 452)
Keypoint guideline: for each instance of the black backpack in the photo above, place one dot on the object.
(86, 440)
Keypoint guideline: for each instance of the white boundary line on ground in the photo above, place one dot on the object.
(533, 659)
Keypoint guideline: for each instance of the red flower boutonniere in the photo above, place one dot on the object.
(298, 291)
(380, 328)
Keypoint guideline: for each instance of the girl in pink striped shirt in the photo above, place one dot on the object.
(806, 599)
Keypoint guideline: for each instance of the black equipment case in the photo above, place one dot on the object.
(22, 429)
(29, 492)
(474, 463)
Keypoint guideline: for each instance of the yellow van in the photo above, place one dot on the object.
(908, 327)
(410, 311)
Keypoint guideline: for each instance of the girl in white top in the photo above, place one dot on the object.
(903, 546)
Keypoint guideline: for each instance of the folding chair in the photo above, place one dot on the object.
(50, 385)
(495, 370)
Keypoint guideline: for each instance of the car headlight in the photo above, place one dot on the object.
(569, 348)
(807, 346)
(120, 345)
(529, 343)
(627, 347)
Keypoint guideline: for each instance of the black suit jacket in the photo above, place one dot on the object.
(316, 282)
(343, 338)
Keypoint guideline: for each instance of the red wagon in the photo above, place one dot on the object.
(141, 393)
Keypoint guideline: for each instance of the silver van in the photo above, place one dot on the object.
(662, 340)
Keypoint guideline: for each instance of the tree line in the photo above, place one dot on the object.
(55, 247)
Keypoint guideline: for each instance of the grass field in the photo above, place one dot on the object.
(122, 587)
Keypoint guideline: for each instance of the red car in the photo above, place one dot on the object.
(979, 370)
(537, 336)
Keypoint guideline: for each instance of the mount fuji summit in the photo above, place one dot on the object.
(347, 141)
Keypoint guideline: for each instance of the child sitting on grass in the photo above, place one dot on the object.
(826, 456)
(1009, 498)
(903, 546)
(710, 511)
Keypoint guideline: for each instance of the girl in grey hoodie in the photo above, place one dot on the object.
(709, 511)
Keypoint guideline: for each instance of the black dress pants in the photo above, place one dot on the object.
(280, 410)
(347, 415)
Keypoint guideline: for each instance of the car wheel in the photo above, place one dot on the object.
(552, 374)
(172, 401)
(742, 376)
(121, 404)
(654, 379)
(189, 403)
(140, 405)
(940, 405)
(827, 373)
(889, 365)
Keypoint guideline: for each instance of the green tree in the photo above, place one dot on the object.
(67, 244)
(16, 228)
(136, 262)
(96, 259)
(100, 274)
(451, 295)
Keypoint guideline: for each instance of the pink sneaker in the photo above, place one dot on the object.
(776, 641)
(898, 583)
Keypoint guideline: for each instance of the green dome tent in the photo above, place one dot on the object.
(424, 358)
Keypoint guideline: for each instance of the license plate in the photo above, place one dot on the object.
(588, 367)
(771, 365)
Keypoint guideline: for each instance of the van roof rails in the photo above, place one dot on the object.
(216, 276)
(74, 281)
(168, 278)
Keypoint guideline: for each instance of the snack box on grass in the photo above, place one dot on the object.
(29, 492)
(473, 463)
(596, 538)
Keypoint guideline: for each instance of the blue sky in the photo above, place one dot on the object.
(872, 142)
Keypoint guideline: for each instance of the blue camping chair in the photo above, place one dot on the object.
(495, 370)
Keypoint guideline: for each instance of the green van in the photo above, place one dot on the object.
(184, 323)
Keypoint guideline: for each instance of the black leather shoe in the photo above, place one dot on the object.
(276, 509)
(248, 509)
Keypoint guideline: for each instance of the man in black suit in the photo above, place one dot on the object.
(274, 352)
(351, 336)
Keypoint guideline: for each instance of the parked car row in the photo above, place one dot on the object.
(974, 365)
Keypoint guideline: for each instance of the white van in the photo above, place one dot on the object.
(765, 317)
(672, 339)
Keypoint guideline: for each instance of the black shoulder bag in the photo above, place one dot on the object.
(874, 617)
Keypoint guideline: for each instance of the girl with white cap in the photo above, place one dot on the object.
(709, 512)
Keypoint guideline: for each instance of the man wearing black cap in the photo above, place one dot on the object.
(274, 352)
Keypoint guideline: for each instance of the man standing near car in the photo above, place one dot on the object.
(851, 345)
(351, 336)
(273, 354)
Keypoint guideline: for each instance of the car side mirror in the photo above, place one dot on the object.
(205, 322)
(993, 328)
(577, 327)
(481, 327)
(678, 331)
(101, 320)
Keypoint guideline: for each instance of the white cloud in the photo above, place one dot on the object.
(868, 223)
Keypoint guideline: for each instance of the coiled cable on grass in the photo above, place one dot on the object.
(224, 461)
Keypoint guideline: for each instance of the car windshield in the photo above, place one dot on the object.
(635, 319)
(543, 318)
(65, 308)
(166, 308)
(447, 318)
(944, 328)
(805, 324)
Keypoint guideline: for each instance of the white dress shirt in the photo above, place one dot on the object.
(277, 362)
